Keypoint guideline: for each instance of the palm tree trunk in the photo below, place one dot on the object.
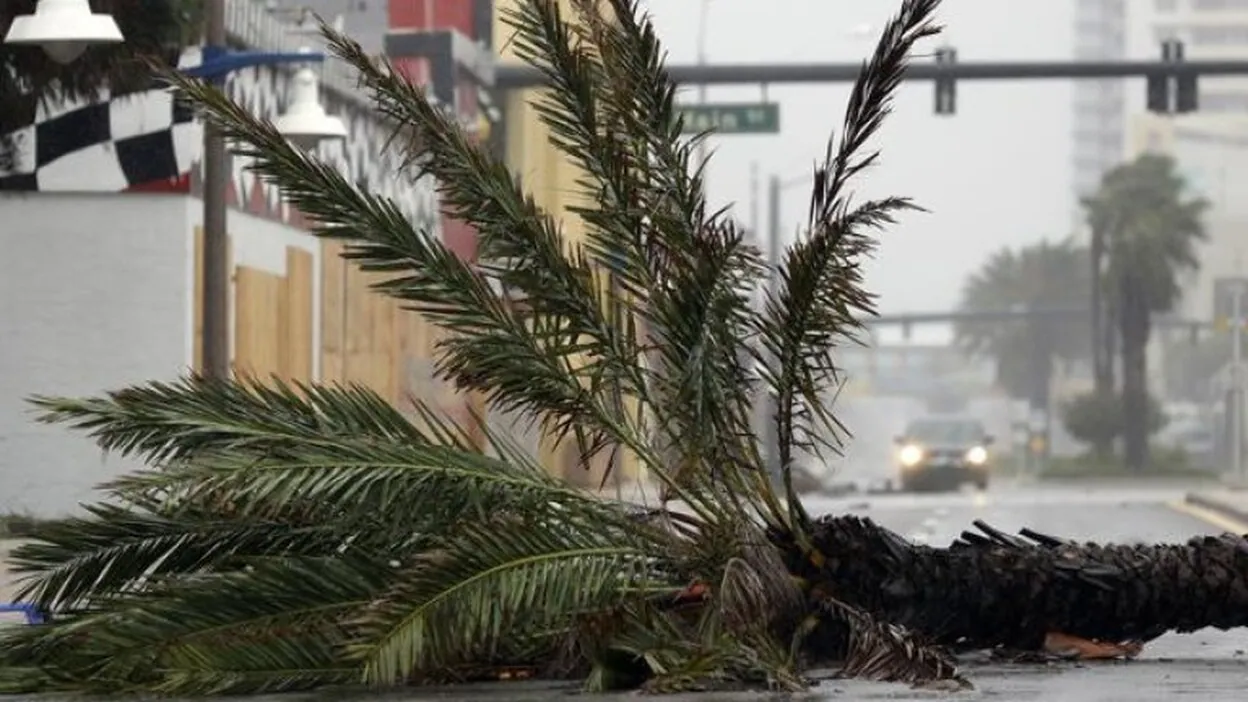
(1133, 326)
(993, 590)
(1102, 328)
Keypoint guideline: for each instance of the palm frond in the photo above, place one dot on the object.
(493, 580)
(255, 471)
(195, 416)
(523, 358)
(117, 549)
(274, 625)
(688, 271)
(820, 294)
(886, 652)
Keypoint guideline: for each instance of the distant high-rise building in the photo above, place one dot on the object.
(1100, 106)
(1210, 145)
(1209, 29)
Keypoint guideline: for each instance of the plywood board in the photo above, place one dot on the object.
(333, 308)
(258, 322)
(297, 336)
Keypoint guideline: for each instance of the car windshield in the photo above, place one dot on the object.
(945, 431)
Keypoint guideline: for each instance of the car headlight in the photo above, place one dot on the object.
(977, 456)
(910, 455)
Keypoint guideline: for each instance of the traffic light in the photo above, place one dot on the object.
(1158, 98)
(1185, 92)
(946, 89)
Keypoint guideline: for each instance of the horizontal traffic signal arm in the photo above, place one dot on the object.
(512, 77)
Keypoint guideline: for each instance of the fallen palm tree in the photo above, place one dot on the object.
(1033, 592)
(291, 537)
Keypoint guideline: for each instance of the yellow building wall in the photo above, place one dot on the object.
(552, 179)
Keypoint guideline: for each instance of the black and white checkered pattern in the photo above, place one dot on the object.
(129, 140)
(119, 142)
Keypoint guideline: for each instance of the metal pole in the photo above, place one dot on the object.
(1097, 250)
(755, 234)
(706, 6)
(514, 77)
(1237, 383)
(771, 433)
(215, 347)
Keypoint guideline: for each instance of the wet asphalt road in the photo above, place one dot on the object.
(1208, 665)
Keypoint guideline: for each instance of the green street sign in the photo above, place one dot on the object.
(731, 118)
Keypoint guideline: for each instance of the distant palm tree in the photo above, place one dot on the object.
(153, 29)
(1154, 227)
(1037, 276)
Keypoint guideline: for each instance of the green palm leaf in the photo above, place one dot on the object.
(116, 549)
(196, 415)
(820, 295)
(495, 580)
(275, 625)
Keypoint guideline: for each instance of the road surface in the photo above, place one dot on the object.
(1202, 667)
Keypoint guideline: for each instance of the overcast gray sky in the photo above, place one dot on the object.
(997, 173)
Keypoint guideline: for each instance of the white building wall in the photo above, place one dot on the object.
(96, 293)
(93, 297)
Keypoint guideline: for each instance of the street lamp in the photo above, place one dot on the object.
(305, 122)
(64, 28)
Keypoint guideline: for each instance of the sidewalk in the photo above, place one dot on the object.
(1230, 503)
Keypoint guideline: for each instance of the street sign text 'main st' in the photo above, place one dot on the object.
(731, 118)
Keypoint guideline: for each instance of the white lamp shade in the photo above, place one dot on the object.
(64, 28)
(305, 122)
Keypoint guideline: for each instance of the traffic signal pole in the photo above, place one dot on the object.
(518, 77)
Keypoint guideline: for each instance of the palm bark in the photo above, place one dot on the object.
(992, 590)
(1134, 329)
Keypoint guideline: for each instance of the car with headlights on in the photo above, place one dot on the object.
(937, 452)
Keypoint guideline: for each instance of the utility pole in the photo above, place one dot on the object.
(771, 433)
(755, 231)
(706, 8)
(215, 333)
(1237, 382)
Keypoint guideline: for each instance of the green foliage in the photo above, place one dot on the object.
(288, 537)
(1099, 419)
(1151, 227)
(1041, 275)
(1163, 462)
(18, 525)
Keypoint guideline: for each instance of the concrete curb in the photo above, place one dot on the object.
(1215, 505)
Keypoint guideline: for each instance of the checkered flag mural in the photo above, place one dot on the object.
(149, 141)
(112, 145)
